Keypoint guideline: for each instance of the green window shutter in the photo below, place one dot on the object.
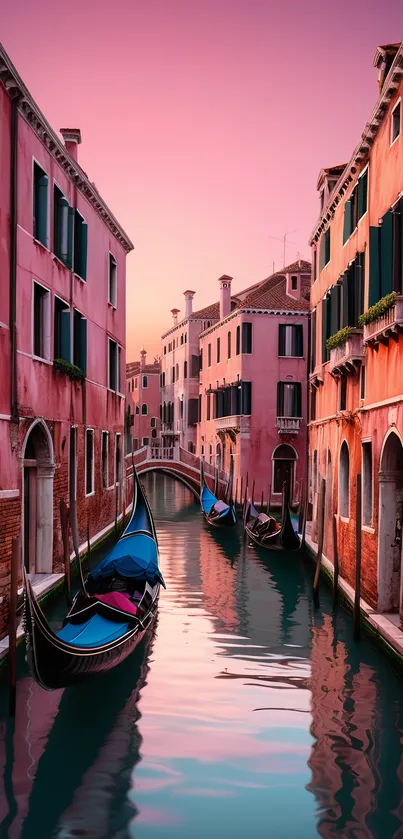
(65, 338)
(335, 310)
(313, 340)
(362, 194)
(324, 330)
(83, 251)
(83, 344)
(386, 253)
(70, 239)
(42, 214)
(347, 221)
(374, 266)
(327, 246)
(322, 249)
(63, 229)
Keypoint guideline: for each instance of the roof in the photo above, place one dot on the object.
(133, 368)
(271, 294)
(35, 118)
(212, 311)
(332, 171)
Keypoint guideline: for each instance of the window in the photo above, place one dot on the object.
(367, 483)
(165, 349)
(145, 381)
(104, 455)
(185, 369)
(315, 259)
(395, 123)
(137, 409)
(218, 350)
(238, 340)
(209, 355)
(192, 412)
(80, 246)
(144, 409)
(162, 379)
(177, 372)
(208, 402)
(80, 341)
(114, 366)
(362, 382)
(344, 481)
(61, 332)
(247, 338)
(324, 251)
(289, 399)
(40, 208)
(145, 441)
(181, 408)
(246, 398)
(182, 338)
(229, 344)
(153, 422)
(135, 383)
(294, 283)
(89, 461)
(200, 409)
(186, 338)
(313, 404)
(63, 216)
(195, 366)
(356, 206)
(113, 281)
(201, 360)
(313, 341)
(172, 375)
(135, 443)
(343, 393)
(283, 468)
(154, 433)
(290, 340)
(41, 322)
(117, 459)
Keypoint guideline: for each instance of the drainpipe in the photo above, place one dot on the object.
(13, 257)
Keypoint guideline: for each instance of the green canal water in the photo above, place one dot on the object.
(245, 714)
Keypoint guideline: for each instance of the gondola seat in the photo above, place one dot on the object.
(118, 600)
(92, 633)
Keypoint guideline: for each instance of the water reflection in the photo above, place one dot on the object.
(247, 714)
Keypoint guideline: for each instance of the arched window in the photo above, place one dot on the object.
(164, 412)
(284, 458)
(153, 422)
(144, 409)
(153, 433)
(145, 381)
(344, 481)
(137, 409)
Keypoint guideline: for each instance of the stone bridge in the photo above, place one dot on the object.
(177, 462)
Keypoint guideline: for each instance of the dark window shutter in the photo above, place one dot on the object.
(386, 253)
(246, 337)
(70, 240)
(324, 331)
(238, 340)
(313, 340)
(298, 333)
(185, 370)
(65, 334)
(280, 399)
(83, 251)
(218, 350)
(42, 220)
(229, 345)
(201, 360)
(200, 409)
(347, 221)
(362, 194)
(327, 245)
(281, 339)
(397, 248)
(297, 400)
(247, 398)
(63, 229)
(335, 310)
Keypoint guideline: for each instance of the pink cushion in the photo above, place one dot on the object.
(119, 600)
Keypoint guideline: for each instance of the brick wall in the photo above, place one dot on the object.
(10, 518)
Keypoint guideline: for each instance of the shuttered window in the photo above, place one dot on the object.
(386, 236)
(313, 341)
(80, 246)
(218, 350)
(209, 355)
(289, 399)
(363, 194)
(247, 398)
(324, 250)
(89, 461)
(80, 341)
(290, 340)
(63, 221)
(247, 338)
(61, 332)
(229, 344)
(238, 340)
(40, 205)
(347, 225)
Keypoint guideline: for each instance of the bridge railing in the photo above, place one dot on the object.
(175, 454)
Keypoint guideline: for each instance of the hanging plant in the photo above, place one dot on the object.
(380, 308)
(339, 338)
(76, 374)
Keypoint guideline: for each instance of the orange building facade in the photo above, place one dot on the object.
(356, 364)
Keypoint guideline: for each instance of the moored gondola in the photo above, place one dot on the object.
(109, 617)
(216, 512)
(266, 532)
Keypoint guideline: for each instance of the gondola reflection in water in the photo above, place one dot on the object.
(109, 617)
(216, 512)
(266, 532)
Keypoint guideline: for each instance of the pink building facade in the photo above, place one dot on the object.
(62, 339)
(253, 391)
(143, 401)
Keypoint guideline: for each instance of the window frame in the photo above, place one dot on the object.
(92, 491)
(84, 221)
(365, 443)
(67, 308)
(47, 328)
(111, 302)
(143, 443)
(117, 372)
(105, 433)
(293, 326)
(397, 104)
(144, 413)
(45, 244)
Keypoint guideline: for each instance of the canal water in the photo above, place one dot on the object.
(245, 714)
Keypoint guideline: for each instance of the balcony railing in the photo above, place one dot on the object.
(348, 356)
(238, 422)
(288, 425)
(386, 326)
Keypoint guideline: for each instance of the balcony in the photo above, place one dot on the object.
(387, 326)
(238, 423)
(288, 425)
(348, 356)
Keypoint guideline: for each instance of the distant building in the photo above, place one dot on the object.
(143, 401)
(252, 399)
(356, 365)
(62, 339)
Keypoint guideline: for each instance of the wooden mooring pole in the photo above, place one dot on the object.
(335, 564)
(268, 500)
(357, 597)
(241, 493)
(64, 523)
(253, 492)
(12, 632)
(321, 517)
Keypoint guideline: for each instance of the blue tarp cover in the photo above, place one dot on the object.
(93, 633)
(134, 557)
(208, 501)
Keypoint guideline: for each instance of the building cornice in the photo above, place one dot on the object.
(29, 110)
(251, 311)
(362, 150)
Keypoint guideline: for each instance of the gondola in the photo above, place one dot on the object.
(265, 531)
(108, 617)
(216, 512)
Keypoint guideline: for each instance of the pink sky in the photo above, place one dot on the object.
(204, 124)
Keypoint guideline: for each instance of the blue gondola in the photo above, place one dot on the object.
(217, 513)
(109, 616)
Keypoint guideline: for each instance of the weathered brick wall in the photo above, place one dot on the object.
(10, 518)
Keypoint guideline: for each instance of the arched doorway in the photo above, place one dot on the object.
(390, 512)
(284, 458)
(38, 470)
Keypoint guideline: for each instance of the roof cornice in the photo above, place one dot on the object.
(361, 151)
(29, 110)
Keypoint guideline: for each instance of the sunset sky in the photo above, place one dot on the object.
(204, 125)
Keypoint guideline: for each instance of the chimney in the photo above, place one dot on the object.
(189, 295)
(225, 295)
(72, 139)
(174, 313)
(143, 354)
